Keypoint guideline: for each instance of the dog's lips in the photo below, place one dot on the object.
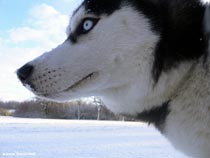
(83, 81)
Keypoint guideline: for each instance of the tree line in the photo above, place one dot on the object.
(78, 109)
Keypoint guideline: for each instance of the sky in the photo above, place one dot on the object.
(28, 28)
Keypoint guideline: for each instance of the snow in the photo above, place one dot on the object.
(39, 138)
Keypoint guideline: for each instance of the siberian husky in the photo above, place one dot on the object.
(144, 58)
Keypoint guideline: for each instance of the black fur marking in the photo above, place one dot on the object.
(207, 19)
(207, 27)
(99, 7)
(156, 116)
(180, 26)
(72, 38)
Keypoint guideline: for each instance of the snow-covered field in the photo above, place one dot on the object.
(37, 138)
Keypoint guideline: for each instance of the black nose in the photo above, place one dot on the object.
(25, 72)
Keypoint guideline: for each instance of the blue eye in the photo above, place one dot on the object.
(88, 25)
(85, 26)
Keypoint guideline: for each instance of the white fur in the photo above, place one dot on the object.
(119, 53)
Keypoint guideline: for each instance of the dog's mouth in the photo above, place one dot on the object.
(84, 81)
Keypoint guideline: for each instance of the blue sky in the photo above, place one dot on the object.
(26, 32)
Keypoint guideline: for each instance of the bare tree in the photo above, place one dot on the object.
(98, 103)
(78, 109)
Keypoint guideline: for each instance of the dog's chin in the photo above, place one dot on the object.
(58, 97)
(66, 96)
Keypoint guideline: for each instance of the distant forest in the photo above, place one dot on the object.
(79, 109)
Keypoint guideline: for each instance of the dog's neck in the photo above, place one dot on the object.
(189, 80)
(193, 97)
(189, 117)
(137, 97)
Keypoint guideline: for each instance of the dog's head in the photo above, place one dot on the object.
(114, 47)
(107, 45)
